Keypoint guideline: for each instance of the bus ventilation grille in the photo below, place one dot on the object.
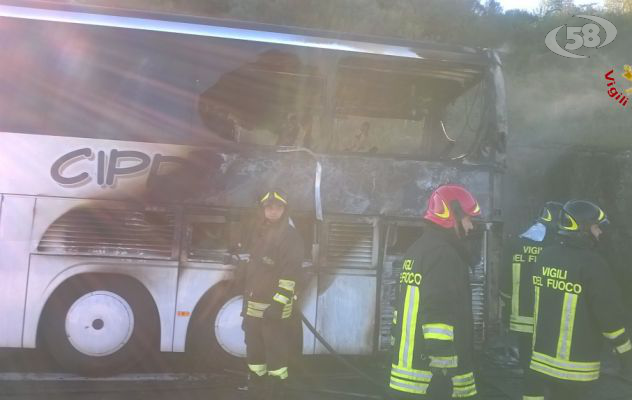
(477, 284)
(111, 233)
(390, 280)
(350, 245)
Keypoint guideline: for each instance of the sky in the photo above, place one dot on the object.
(529, 5)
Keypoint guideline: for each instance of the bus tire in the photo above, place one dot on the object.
(100, 324)
(215, 336)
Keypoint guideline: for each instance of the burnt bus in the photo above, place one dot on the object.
(134, 146)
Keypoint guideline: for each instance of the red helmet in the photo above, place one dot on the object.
(441, 205)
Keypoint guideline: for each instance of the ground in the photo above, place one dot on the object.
(29, 375)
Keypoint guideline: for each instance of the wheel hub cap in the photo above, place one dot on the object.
(228, 330)
(99, 323)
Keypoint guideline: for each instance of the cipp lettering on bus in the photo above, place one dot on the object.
(106, 168)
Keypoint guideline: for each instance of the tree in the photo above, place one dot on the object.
(613, 6)
(492, 7)
(588, 8)
(558, 6)
(618, 6)
(415, 19)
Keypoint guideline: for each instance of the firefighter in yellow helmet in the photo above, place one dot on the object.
(433, 324)
(276, 256)
(576, 307)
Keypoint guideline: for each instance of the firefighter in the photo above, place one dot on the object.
(519, 260)
(576, 304)
(433, 324)
(276, 256)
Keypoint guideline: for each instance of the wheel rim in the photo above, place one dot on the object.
(228, 330)
(99, 323)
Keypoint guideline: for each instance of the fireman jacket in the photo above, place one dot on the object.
(519, 259)
(276, 257)
(577, 305)
(433, 324)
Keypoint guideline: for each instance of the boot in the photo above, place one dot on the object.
(258, 387)
(274, 389)
(277, 389)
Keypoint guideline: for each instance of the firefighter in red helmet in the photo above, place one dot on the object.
(433, 328)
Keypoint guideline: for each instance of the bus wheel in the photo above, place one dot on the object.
(216, 337)
(98, 325)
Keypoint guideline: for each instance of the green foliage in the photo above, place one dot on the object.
(443, 20)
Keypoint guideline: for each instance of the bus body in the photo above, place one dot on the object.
(134, 145)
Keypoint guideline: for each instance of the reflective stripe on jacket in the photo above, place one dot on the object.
(516, 282)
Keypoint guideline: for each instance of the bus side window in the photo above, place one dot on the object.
(209, 238)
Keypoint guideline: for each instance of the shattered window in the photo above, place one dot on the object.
(375, 112)
(396, 108)
(275, 101)
(463, 120)
(377, 135)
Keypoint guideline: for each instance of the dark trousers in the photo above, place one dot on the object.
(540, 385)
(267, 342)
(525, 346)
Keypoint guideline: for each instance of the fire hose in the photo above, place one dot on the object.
(345, 362)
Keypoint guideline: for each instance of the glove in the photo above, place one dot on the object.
(275, 311)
